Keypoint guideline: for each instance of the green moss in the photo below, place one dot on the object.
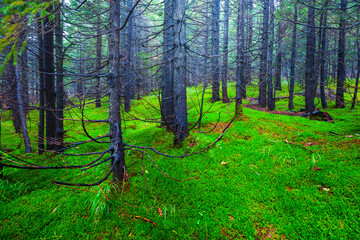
(259, 179)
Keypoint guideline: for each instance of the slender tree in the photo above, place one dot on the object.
(358, 70)
(263, 56)
(98, 60)
(117, 145)
(167, 86)
(280, 33)
(322, 52)
(59, 79)
(41, 60)
(224, 75)
(180, 105)
(215, 42)
(270, 91)
(293, 59)
(310, 78)
(341, 72)
(240, 75)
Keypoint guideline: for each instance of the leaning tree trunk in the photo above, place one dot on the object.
(59, 81)
(263, 57)
(341, 75)
(310, 79)
(21, 111)
(271, 101)
(292, 62)
(215, 42)
(167, 91)
(225, 97)
(117, 145)
(180, 105)
(12, 102)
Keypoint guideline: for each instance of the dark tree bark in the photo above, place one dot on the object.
(240, 76)
(292, 61)
(225, 97)
(270, 91)
(167, 91)
(358, 70)
(279, 54)
(24, 80)
(215, 42)
(310, 78)
(98, 61)
(59, 80)
(11, 96)
(79, 83)
(249, 37)
(50, 97)
(263, 57)
(322, 51)
(180, 105)
(41, 60)
(117, 145)
(341, 74)
(129, 79)
(21, 111)
(206, 41)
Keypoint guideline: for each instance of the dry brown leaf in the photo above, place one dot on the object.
(224, 163)
(160, 212)
(231, 218)
(341, 224)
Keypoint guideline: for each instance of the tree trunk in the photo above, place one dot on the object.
(12, 102)
(50, 96)
(279, 52)
(322, 51)
(41, 60)
(225, 97)
(129, 79)
(21, 111)
(358, 70)
(180, 105)
(341, 74)
(98, 61)
(263, 57)
(167, 91)
(270, 91)
(292, 61)
(117, 145)
(240, 76)
(79, 84)
(310, 78)
(59, 81)
(249, 37)
(206, 41)
(215, 42)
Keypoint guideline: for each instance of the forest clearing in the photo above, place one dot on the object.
(179, 119)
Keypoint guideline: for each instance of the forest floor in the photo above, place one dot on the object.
(270, 176)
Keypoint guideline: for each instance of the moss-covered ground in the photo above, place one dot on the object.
(270, 176)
